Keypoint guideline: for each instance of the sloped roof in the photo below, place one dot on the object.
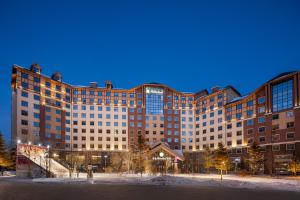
(237, 99)
(176, 153)
(282, 75)
(234, 89)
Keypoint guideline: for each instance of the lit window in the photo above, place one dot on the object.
(261, 109)
(282, 96)
(154, 101)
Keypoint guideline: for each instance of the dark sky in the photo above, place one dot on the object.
(188, 45)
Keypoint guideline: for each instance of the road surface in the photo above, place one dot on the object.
(25, 190)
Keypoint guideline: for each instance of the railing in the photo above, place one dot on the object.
(62, 162)
(48, 164)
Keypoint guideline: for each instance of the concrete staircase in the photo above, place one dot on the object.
(40, 159)
(51, 165)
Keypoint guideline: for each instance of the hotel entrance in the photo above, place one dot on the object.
(163, 159)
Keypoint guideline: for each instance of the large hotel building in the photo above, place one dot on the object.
(49, 111)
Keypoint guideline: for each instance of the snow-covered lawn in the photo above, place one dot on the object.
(197, 180)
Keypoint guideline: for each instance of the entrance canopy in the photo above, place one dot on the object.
(162, 147)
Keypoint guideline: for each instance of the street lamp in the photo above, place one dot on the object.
(236, 161)
(105, 157)
(49, 165)
(223, 163)
(19, 141)
(29, 143)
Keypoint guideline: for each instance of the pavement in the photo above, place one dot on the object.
(198, 180)
(20, 189)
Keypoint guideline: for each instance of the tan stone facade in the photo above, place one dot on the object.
(48, 111)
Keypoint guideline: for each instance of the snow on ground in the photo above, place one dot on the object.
(8, 173)
(101, 178)
(198, 180)
(250, 182)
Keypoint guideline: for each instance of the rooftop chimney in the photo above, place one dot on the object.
(36, 68)
(215, 89)
(56, 76)
(93, 84)
(108, 85)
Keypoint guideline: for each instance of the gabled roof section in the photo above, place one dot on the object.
(201, 93)
(176, 153)
(154, 83)
(282, 75)
(233, 88)
(237, 99)
(276, 78)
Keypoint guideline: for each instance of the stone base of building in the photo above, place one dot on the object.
(25, 168)
(276, 162)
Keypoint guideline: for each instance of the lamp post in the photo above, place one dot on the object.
(236, 161)
(29, 159)
(49, 165)
(223, 163)
(17, 153)
(105, 157)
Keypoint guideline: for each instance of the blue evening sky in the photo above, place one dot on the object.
(188, 45)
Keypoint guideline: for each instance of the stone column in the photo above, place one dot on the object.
(175, 166)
